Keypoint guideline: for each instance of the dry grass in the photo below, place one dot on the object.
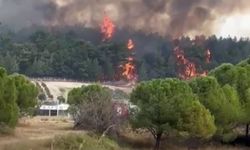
(38, 133)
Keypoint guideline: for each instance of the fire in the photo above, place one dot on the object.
(187, 68)
(129, 69)
(107, 28)
(130, 44)
(208, 56)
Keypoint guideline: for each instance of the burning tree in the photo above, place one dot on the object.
(107, 28)
(187, 69)
(129, 69)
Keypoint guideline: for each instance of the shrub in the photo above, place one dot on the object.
(83, 142)
(47, 90)
(91, 108)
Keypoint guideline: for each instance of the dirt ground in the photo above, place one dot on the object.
(37, 133)
(37, 129)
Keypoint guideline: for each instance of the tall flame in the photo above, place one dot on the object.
(130, 44)
(187, 68)
(129, 69)
(107, 28)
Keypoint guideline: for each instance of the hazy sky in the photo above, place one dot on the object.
(174, 17)
(236, 25)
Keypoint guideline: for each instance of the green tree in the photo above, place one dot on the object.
(27, 93)
(222, 102)
(9, 63)
(169, 105)
(93, 69)
(8, 106)
(236, 76)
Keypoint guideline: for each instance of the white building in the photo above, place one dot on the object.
(54, 110)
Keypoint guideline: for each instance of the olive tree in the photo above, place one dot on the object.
(166, 105)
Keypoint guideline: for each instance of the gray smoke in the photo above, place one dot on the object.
(172, 17)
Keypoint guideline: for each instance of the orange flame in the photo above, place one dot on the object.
(129, 69)
(130, 44)
(187, 69)
(107, 28)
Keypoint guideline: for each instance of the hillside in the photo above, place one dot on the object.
(61, 88)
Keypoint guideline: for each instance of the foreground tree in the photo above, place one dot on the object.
(169, 105)
(8, 106)
(27, 94)
(237, 76)
(222, 102)
(91, 107)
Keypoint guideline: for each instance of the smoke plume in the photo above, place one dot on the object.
(165, 17)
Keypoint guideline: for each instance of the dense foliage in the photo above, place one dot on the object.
(169, 105)
(80, 53)
(26, 93)
(8, 105)
(237, 76)
(212, 106)
(222, 102)
(17, 96)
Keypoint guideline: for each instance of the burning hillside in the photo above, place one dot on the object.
(128, 68)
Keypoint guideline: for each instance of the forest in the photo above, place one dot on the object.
(80, 53)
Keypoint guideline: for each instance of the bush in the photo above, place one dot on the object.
(91, 108)
(61, 99)
(83, 142)
(119, 94)
(42, 97)
(229, 137)
(47, 90)
(5, 130)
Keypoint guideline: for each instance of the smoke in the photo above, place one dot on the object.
(165, 17)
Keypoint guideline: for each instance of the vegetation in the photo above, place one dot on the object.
(237, 76)
(26, 94)
(61, 99)
(169, 105)
(202, 107)
(119, 95)
(222, 102)
(84, 142)
(8, 106)
(82, 55)
(91, 108)
(47, 90)
(17, 96)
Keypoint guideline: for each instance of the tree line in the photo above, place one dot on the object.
(209, 107)
(81, 54)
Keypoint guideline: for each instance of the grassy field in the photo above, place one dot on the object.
(41, 133)
(35, 132)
